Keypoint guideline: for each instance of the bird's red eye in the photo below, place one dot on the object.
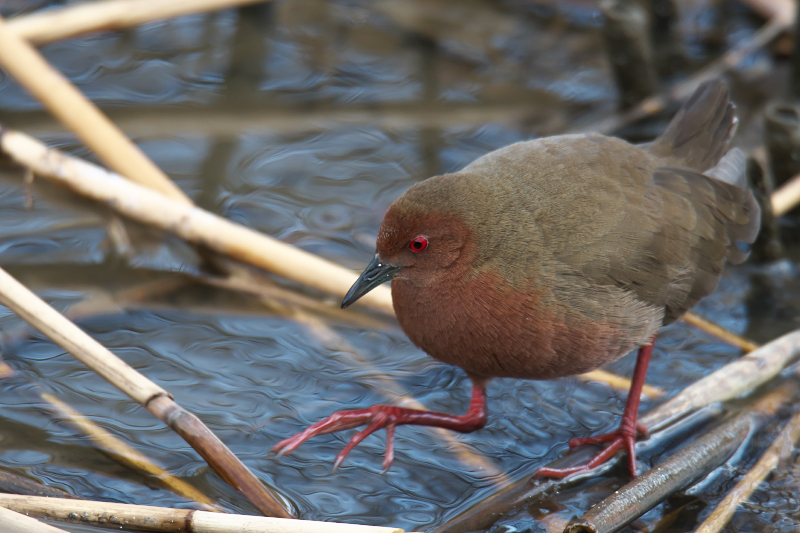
(419, 243)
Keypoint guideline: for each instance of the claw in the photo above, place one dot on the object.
(388, 417)
(625, 435)
(618, 440)
(389, 457)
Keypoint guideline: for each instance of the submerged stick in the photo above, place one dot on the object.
(80, 115)
(781, 448)
(14, 484)
(733, 379)
(54, 24)
(129, 456)
(679, 471)
(147, 518)
(60, 330)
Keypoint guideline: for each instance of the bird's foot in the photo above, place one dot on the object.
(389, 417)
(624, 436)
(376, 417)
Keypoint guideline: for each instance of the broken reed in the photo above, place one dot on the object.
(60, 330)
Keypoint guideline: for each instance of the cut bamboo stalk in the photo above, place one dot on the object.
(165, 520)
(13, 522)
(80, 115)
(47, 26)
(60, 330)
(191, 223)
(780, 449)
(715, 330)
(787, 197)
(128, 456)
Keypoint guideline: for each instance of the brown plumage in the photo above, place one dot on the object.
(555, 256)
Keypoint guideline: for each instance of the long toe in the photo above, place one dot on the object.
(338, 421)
(618, 439)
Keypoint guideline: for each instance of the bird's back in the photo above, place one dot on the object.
(655, 221)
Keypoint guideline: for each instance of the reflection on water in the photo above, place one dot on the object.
(256, 377)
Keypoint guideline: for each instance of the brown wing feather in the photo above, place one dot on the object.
(698, 220)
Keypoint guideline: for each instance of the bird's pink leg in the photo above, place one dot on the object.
(389, 417)
(625, 435)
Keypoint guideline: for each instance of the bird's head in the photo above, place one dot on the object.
(420, 241)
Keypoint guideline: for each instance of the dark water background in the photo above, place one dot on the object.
(304, 119)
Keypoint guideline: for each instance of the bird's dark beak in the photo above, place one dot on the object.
(376, 273)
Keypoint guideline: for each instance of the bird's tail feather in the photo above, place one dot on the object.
(698, 135)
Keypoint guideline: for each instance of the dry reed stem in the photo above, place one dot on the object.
(47, 26)
(191, 223)
(619, 383)
(165, 520)
(80, 115)
(730, 381)
(277, 299)
(781, 448)
(14, 522)
(60, 330)
(67, 335)
(786, 197)
(128, 456)
(715, 330)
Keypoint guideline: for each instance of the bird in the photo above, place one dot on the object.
(555, 256)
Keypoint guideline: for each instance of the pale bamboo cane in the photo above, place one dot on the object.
(165, 520)
(71, 107)
(191, 223)
(787, 197)
(47, 26)
(13, 522)
(60, 330)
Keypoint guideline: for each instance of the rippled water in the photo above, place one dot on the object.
(254, 376)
